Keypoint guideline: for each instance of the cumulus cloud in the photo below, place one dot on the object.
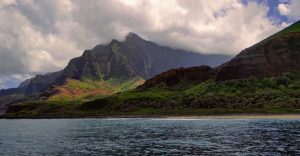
(192, 25)
(290, 9)
(283, 9)
(39, 36)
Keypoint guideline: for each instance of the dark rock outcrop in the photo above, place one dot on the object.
(171, 78)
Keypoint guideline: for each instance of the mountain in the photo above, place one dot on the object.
(273, 56)
(33, 85)
(135, 57)
(263, 78)
(122, 61)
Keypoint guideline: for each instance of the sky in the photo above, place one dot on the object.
(41, 36)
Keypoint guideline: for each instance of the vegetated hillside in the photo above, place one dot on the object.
(269, 95)
(89, 89)
(278, 94)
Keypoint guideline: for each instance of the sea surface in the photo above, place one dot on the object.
(150, 137)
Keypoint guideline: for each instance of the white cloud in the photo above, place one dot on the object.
(38, 36)
(7, 2)
(283, 9)
(290, 9)
(192, 25)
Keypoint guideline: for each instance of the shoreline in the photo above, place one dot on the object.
(242, 116)
(183, 117)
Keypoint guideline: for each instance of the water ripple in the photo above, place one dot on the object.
(150, 137)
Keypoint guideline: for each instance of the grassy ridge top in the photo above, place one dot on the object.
(292, 28)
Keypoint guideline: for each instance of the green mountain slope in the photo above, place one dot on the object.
(89, 89)
(291, 29)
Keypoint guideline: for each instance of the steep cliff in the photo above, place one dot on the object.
(133, 57)
(278, 54)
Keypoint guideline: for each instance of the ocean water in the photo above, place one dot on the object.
(150, 137)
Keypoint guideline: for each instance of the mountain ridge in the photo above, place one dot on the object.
(133, 57)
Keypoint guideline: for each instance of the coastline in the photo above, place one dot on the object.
(184, 117)
(242, 116)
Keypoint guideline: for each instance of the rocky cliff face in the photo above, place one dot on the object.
(275, 55)
(130, 58)
(187, 76)
(150, 59)
(102, 62)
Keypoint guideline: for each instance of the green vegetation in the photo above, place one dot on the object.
(120, 86)
(270, 95)
(293, 28)
(92, 89)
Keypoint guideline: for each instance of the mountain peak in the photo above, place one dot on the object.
(133, 36)
(114, 41)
